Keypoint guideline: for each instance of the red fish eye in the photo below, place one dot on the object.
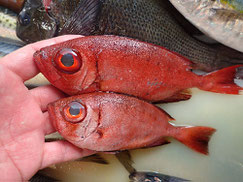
(75, 112)
(68, 60)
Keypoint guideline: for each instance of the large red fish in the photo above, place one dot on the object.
(123, 65)
(111, 122)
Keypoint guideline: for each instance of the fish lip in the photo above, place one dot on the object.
(37, 59)
(40, 58)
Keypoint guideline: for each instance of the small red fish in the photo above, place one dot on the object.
(112, 122)
(124, 65)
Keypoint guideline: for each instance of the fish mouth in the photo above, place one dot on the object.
(41, 60)
(37, 59)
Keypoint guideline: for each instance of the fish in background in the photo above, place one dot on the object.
(8, 39)
(125, 159)
(222, 19)
(150, 21)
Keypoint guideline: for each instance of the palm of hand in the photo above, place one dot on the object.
(24, 121)
(22, 127)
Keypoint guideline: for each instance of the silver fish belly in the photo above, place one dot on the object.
(214, 19)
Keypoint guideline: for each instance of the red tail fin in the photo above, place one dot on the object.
(195, 137)
(222, 81)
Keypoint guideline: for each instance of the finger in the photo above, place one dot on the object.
(61, 151)
(48, 127)
(46, 94)
(21, 61)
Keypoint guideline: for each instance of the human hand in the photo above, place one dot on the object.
(24, 120)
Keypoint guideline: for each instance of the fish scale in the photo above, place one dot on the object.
(128, 66)
(109, 122)
(158, 28)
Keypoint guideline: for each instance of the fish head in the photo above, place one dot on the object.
(69, 66)
(34, 23)
(76, 118)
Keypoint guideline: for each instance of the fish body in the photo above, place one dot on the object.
(221, 19)
(113, 122)
(150, 21)
(123, 65)
(8, 39)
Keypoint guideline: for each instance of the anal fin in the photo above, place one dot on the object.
(162, 141)
(180, 96)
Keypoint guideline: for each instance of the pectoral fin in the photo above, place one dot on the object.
(96, 158)
(125, 159)
(84, 19)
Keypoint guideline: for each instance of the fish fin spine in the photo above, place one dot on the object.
(222, 81)
(196, 138)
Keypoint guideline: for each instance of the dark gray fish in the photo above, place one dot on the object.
(34, 23)
(147, 20)
(136, 176)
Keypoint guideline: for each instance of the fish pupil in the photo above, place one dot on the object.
(75, 108)
(24, 18)
(67, 60)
